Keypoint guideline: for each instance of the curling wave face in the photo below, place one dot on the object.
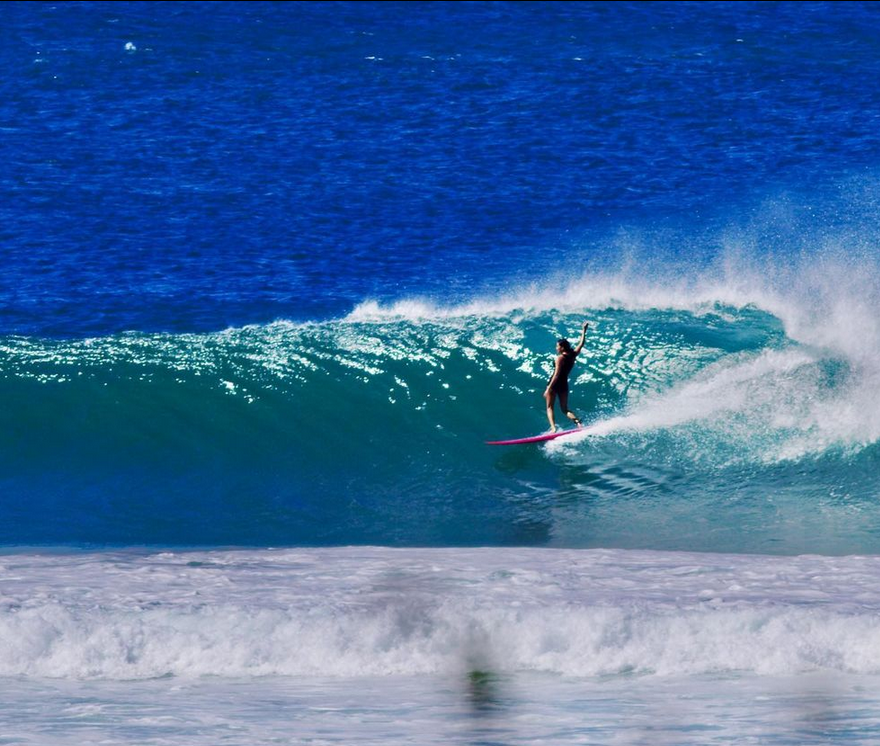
(732, 414)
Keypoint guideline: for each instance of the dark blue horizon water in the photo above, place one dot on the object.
(194, 166)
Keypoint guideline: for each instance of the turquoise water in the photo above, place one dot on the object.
(716, 423)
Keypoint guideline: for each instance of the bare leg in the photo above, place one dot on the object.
(550, 397)
(563, 405)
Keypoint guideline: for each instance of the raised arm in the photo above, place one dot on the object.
(580, 345)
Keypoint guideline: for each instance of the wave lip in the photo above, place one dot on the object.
(373, 611)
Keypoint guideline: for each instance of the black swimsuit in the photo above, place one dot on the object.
(561, 385)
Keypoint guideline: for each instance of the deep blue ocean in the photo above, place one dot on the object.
(272, 274)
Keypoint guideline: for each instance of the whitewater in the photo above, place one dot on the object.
(223, 642)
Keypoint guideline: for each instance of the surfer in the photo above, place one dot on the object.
(558, 385)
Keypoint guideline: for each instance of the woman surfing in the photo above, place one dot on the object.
(558, 385)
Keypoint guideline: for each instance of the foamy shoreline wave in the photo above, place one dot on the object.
(351, 612)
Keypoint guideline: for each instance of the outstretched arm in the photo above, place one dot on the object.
(580, 345)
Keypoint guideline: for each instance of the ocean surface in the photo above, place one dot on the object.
(272, 274)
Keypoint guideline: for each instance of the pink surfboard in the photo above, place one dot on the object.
(534, 438)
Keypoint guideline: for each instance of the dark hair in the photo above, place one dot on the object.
(566, 345)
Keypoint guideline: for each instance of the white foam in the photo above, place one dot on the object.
(767, 407)
(827, 300)
(372, 611)
(592, 291)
